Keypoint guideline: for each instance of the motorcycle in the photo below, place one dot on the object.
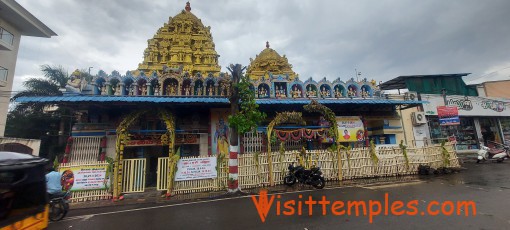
(59, 206)
(299, 174)
(485, 153)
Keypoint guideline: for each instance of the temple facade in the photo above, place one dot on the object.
(177, 102)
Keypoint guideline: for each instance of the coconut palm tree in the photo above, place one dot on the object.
(55, 78)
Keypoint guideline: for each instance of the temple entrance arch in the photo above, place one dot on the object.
(280, 118)
(328, 115)
(130, 174)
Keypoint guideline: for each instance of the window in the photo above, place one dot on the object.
(3, 74)
(6, 36)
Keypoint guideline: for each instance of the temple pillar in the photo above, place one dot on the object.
(96, 90)
(135, 89)
(122, 89)
(150, 89)
(109, 90)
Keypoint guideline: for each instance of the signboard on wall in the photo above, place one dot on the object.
(84, 178)
(151, 140)
(448, 115)
(350, 129)
(467, 106)
(196, 168)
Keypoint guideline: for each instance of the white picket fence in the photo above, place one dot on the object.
(254, 170)
(133, 179)
(85, 152)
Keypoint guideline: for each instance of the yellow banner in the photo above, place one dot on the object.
(87, 177)
(350, 129)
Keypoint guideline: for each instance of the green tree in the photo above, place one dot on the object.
(35, 126)
(244, 112)
(54, 79)
(31, 120)
(248, 115)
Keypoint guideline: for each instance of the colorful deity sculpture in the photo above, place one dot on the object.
(283, 92)
(221, 137)
(104, 90)
(338, 93)
(209, 90)
(168, 90)
(325, 92)
(364, 93)
(351, 92)
(199, 91)
(187, 90)
(262, 92)
(310, 92)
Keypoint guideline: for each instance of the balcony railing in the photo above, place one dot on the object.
(6, 36)
(3, 74)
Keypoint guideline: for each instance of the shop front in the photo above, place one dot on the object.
(482, 120)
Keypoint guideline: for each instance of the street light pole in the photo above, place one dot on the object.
(89, 70)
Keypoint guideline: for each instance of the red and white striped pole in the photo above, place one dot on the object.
(233, 184)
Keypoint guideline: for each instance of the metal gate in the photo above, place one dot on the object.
(162, 180)
(133, 179)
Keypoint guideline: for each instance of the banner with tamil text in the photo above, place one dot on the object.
(84, 177)
(196, 168)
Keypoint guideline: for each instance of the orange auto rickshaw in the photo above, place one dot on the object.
(23, 198)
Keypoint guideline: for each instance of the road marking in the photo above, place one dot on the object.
(392, 185)
(86, 217)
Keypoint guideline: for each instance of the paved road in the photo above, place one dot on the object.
(486, 184)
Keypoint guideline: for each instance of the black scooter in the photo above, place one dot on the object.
(299, 174)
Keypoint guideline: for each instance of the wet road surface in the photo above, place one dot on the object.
(488, 185)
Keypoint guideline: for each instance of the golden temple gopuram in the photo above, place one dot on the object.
(269, 61)
(183, 43)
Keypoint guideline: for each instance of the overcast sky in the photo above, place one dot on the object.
(381, 39)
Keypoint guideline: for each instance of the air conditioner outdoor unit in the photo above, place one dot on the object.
(418, 118)
(413, 96)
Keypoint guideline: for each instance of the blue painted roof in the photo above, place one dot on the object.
(219, 100)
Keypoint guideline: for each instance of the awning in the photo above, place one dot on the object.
(400, 81)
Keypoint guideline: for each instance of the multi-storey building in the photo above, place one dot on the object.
(15, 21)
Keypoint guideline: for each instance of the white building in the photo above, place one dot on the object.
(15, 21)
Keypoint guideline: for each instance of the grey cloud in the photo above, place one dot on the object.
(382, 39)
